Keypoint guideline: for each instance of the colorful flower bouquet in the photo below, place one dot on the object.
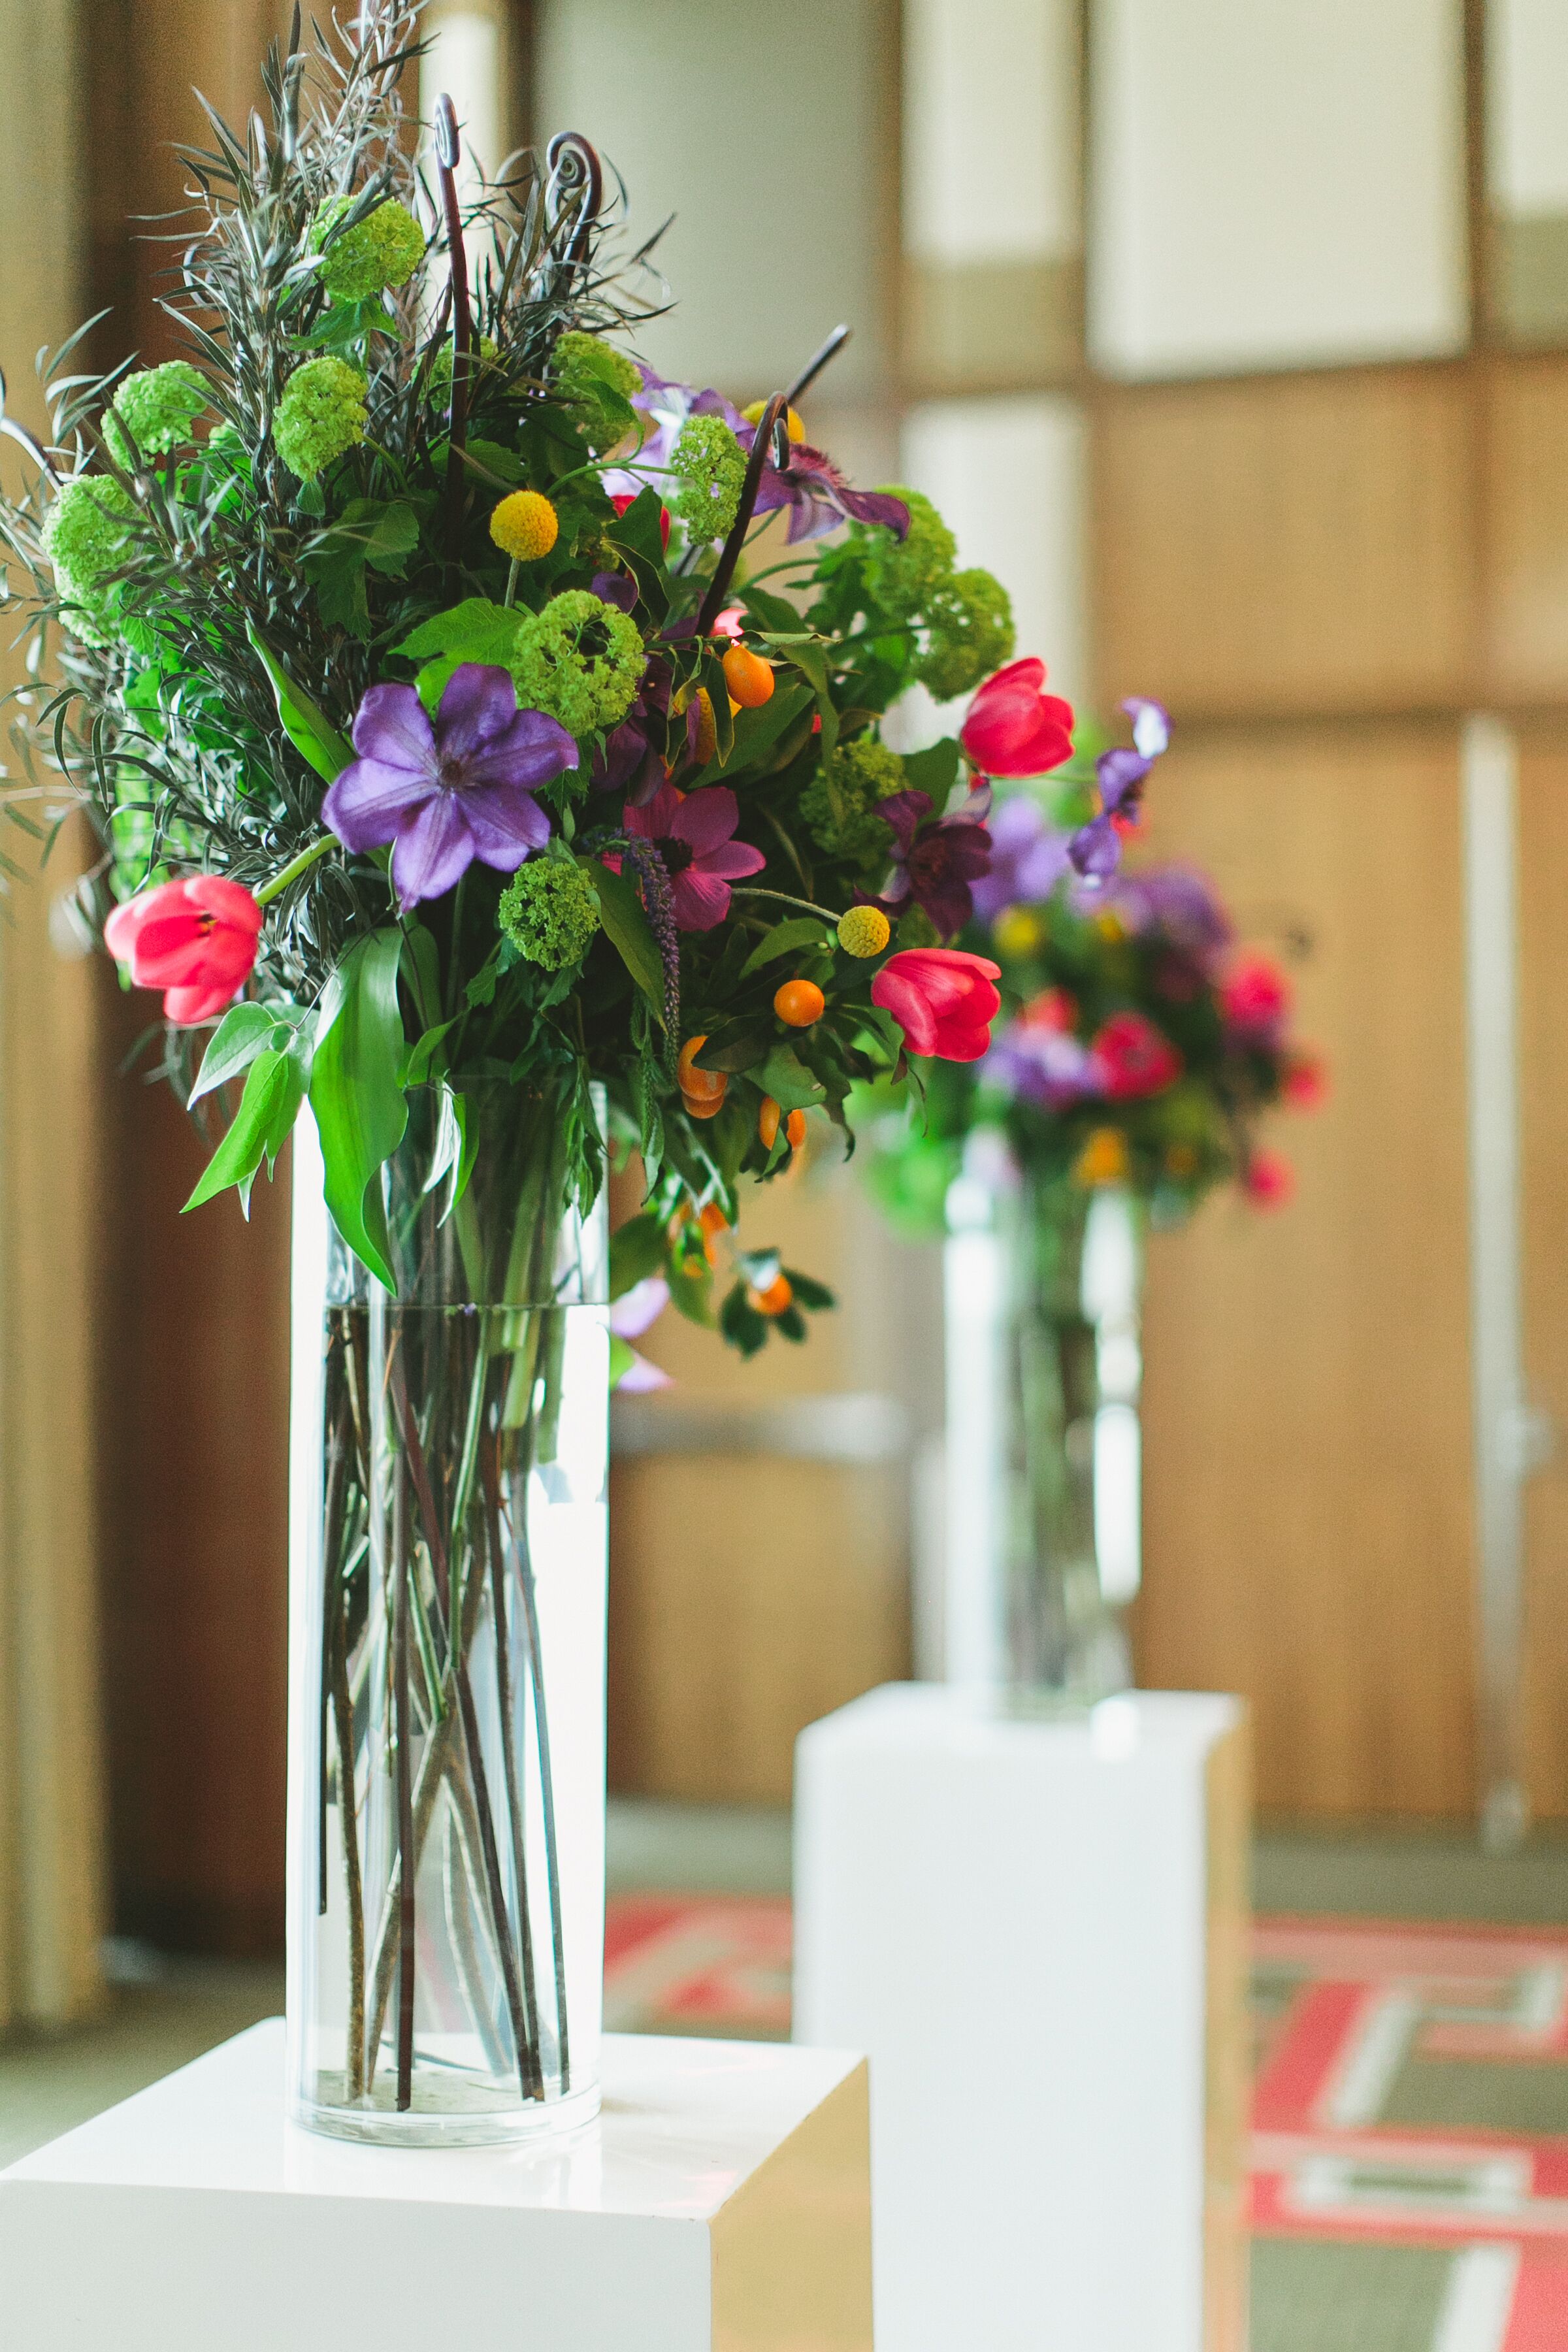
(484, 738)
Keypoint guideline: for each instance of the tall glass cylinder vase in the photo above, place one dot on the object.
(447, 1641)
(1043, 1440)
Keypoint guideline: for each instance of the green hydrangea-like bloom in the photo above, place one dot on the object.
(581, 660)
(971, 634)
(382, 250)
(85, 538)
(321, 414)
(550, 911)
(440, 376)
(709, 465)
(156, 407)
(909, 573)
(839, 804)
(596, 382)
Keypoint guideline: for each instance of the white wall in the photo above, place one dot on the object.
(1275, 183)
(1527, 69)
(991, 132)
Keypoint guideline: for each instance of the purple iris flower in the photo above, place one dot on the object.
(444, 794)
(818, 497)
(1096, 847)
(936, 860)
(1029, 858)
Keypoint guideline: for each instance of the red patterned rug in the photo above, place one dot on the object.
(1410, 2149)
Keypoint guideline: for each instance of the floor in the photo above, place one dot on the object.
(1411, 2188)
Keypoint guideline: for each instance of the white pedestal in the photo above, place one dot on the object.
(1037, 1930)
(720, 2199)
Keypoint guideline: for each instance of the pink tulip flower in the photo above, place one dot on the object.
(942, 999)
(1014, 728)
(196, 940)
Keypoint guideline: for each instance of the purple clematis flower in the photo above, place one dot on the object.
(1096, 847)
(937, 859)
(444, 794)
(1029, 858)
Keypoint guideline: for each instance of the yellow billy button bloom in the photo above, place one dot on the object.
(1103, 1159)
(1017, 931)
(753, 415)
(525, 525)
(864, 931)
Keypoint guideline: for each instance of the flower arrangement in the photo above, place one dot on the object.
(443, 725)
(1139, 1044)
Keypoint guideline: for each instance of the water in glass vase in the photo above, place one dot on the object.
(448, 1731)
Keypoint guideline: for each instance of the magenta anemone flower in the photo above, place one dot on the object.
(691, 832)
(937, 858)
(445, 793)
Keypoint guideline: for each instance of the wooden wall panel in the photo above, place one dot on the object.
(1284, 547)
(1544, 1093)
(1527, 530)
(1308, 1493)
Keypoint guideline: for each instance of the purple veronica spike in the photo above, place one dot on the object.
(444, 794)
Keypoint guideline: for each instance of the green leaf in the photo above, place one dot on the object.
(637, 1250)
(638, 530)
(312, 733)
(359, 1109)
(241, 1153)
(811, 660)
(786, 1078)
(626, 926)
(476, 630)
(740, 1046)
(757, 731)
(799, 931)
(622, 1356)
(239, 1037)
(494, 458)
(808, 1291)
(933, 770)
(775, 613)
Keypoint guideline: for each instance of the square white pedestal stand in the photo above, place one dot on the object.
(721, 2200)
(1037, 1930)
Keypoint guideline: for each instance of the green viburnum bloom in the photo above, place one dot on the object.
(86, 539)
(581, 660)
(155, 408)
(321, 414)
(440, 376)
(597, 381)
(709, 465)
(382, 250)
(971, 626)
(839, 804)
(550, 913)
(909, 572)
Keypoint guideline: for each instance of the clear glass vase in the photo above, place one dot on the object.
(1044, 1366)
(446, 1645)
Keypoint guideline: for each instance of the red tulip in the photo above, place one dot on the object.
(942, 1000)
(196, 940)
(1136, 1057)
(1270, 1179)
(1014, 727)
(1257, 997)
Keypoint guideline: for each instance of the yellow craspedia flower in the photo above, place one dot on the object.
(753, 415)
(1110, 926)
(1017, 931)
(864, 931)
(1104, 1159)
(525, 525)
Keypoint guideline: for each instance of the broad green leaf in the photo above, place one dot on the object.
(774, 613)
(740, 1046)
(239, 1037)
(240, 1153)
(308, 728)
(799, 931)
(476, 630)
(495, 460)
(416, 1069)
(786, 1078)
(811, 660)
(757, 731)
(933, 771)
(359, 1109)
(626, 926)
(637, 530)
(637, 1250)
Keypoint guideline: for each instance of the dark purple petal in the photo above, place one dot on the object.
(479, 704)
(506, 823)
(876, 507)
(434, 851)
(626, 749)
(531, 749)
(369, 801)
(391, 726)
(614, 588)
(902, 814)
